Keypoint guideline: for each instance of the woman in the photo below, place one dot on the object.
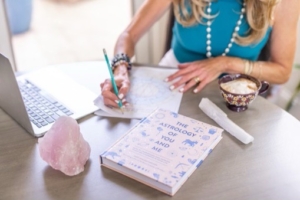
(212, 37)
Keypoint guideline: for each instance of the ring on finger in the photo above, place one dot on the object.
(197, 79)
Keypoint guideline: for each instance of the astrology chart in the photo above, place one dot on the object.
(148, 92)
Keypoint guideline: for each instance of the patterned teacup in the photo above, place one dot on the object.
(239, 102)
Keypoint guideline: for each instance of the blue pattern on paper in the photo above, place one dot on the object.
(181, 165)
(182, 173)
(157, 92)
(190, 142)
(198, 129)
(205, 137)
(145, 121)
(112, 154)
(192, 161)
(144, 133)
(212, 131)
(156, 176)
(201, 161)
(160, 129)
(167, 181)
(175, 115)
(164, 137)
(121, 162)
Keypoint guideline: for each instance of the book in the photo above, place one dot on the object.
(162, 150)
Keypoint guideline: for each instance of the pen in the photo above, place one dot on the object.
(113, 82)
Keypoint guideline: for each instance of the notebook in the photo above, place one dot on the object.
(36, 99)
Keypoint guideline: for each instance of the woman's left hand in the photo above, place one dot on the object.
(198, 73)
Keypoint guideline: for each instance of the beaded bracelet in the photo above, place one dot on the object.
(119, 59)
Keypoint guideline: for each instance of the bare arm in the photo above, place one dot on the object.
(145, 17)
(283, 46)
(283, 41)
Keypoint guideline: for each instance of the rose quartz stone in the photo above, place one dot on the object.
(64, 148)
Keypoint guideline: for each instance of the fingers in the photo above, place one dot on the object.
(180, 73)
(123, 88)
(109, 97)
(188, 77)
(195, 82)
(201, 85)
(110, 103)
(192, 82)
(187, 80)
(106, 85)
(194, 74)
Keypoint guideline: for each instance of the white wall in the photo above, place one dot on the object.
(151, 46)
(5, 38)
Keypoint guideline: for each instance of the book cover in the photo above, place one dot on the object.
(162, 150)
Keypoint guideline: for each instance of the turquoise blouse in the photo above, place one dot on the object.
(189, 43)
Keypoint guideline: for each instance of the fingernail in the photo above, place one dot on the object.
(121, 96)
(181, 90)
(123, 100)
(172, 87)
(117, 101)
(195, 91)
(127, 105)
(166, 80)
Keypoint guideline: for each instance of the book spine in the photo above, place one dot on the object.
(101, 159)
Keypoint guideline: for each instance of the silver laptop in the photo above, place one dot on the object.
(36, 99)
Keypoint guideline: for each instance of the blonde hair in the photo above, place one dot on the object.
(259, 16)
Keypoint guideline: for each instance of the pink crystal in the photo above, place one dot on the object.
(64, 148)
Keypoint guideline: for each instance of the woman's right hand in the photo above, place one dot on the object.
(121, 77)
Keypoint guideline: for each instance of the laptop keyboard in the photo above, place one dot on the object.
(42, 109)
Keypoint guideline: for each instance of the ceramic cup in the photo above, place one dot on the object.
(240, 102)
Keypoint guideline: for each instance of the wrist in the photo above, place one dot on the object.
(227, 63)
(120, 69)
(121, 60)
(234, 65)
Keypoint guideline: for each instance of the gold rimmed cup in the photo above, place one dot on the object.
(239, 102)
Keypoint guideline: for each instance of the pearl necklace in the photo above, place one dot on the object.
(234, 35)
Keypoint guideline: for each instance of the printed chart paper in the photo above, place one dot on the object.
(148, 92)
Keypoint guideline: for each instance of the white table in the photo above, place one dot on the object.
(269, 168)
